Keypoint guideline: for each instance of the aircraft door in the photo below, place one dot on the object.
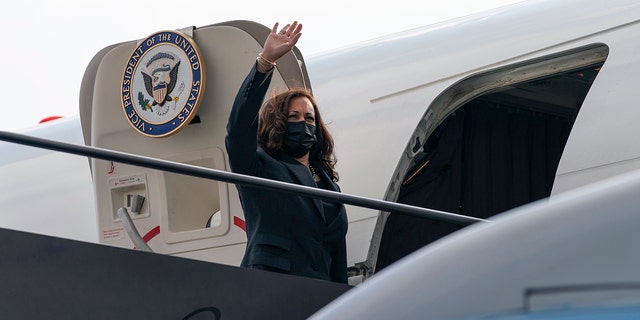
(129, 90)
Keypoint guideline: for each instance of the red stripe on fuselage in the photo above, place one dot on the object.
(240, 223)
(151, 234)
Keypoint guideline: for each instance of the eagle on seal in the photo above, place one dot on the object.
(161, 77)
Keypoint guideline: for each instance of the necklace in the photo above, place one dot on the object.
(313, 172)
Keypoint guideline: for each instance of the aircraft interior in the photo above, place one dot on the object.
(495, 152)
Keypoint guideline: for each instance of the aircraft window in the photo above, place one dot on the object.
(497, 146)
(192, 203)
(215, 220)
(195, 207)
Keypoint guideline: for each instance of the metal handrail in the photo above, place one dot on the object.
(132, 231)
(235, 178)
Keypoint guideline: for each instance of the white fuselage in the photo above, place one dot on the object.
(376, 97)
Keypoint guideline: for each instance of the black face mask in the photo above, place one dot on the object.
(299, 138)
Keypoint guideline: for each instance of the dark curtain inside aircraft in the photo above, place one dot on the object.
(485, 159)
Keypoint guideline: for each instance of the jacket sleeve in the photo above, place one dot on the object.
(242, 128)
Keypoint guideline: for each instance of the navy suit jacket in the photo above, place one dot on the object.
(286, 232)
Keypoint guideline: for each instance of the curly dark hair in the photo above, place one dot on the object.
(272, 125)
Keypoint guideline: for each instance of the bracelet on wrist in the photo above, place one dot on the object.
(261, 57)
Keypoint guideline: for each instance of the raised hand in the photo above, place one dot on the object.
(279, 43)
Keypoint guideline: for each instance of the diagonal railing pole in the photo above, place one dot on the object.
(235, 178)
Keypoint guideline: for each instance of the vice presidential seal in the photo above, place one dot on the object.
(163, 84)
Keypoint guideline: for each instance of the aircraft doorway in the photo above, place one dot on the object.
(492, 152)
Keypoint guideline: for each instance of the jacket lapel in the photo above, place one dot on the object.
(302, 174)
(325, 176)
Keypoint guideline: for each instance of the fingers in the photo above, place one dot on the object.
(295, 33)
(295, 28)
(284, 30)
(290, 29)
(280, 42)
(294, 38)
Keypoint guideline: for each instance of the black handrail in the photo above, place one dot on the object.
(235, 178)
